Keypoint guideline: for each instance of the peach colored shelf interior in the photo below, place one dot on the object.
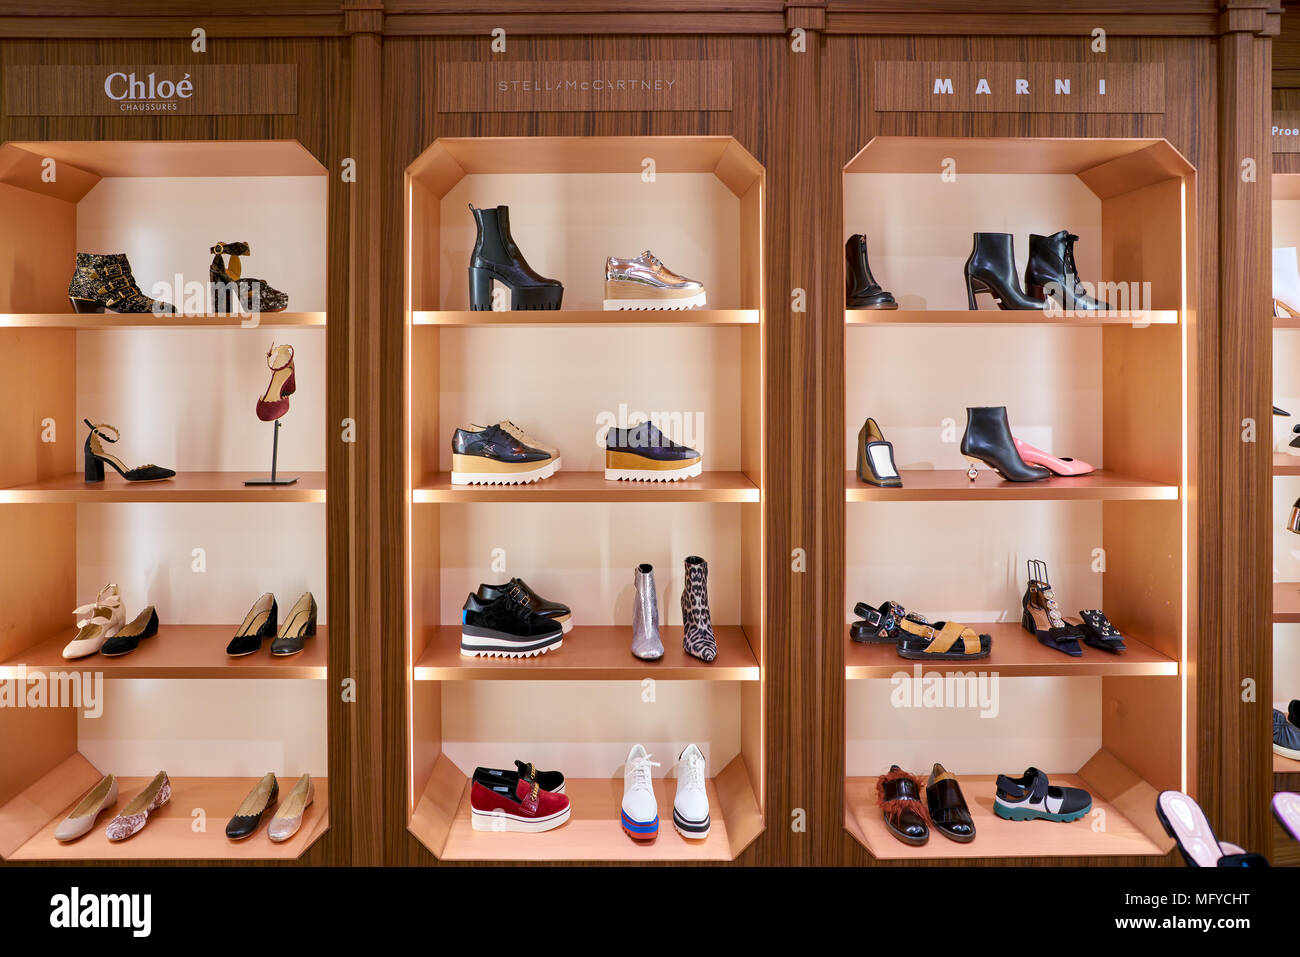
(953, 485)
(180, 651)
(588, 317)
(185, 487)
(1286, 602)
(169, 834)
(1284, 464)
(593, 831)
(1001, 317)
(593, 487)
(1015, 653)
(998, 838)
(72, 320)
(1285, 765)
(594, 652)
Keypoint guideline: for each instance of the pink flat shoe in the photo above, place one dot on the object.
(1061, 466)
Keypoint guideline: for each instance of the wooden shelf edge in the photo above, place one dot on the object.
(72, 320)
(572, 663)
(739, 805)
(435, 812)
(1122, 787)
(1284, 464)
(39, 808)
(998, 317)
(1286, 603)
(1058, 665)
(724, 487)
(465, 318)
(187, 487)
(942, 485)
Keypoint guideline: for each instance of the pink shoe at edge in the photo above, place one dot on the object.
(1062, 466)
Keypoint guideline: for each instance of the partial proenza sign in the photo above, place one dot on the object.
(922, 87)
(167, 90)
(1286, 131)
(580, 85)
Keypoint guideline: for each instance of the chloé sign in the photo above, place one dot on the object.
(270, 88)
(933, 87)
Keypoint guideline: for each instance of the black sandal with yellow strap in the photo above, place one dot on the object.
(941, 641)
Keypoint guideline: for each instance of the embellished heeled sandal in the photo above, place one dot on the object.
(1042, 616)
(284, 383)
(96, 456)
(1098, 631)
(233, 293)
(103, 281)
(879, 626)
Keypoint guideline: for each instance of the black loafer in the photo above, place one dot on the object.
(260, 800)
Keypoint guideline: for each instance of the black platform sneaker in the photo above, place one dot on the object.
(505, 628)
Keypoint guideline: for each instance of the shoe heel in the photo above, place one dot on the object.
(1037, 292)
(94, 468)
(311, 627)
(480, 289)
(974, 470)
(85, 306)
(1027, 622)
(220, 296)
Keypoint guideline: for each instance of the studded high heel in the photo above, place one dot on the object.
(1042, 616)
(96, 456)
(284, 383)
(229, 288)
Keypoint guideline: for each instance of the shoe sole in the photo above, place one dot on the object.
(1286, 752)
(1033, 814)
(639, 830)
(504, 821)
(655, 475)
(694, 830)
(617, 305)
(497, 645)
(510, 475)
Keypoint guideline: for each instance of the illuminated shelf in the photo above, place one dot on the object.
(1015, 654)
(595, 653)
(1284, 464)
(72, 320)
(568, 486)
(1007, 317)
(953, 485)
(588, 317)
(72, 488)
(179, 651)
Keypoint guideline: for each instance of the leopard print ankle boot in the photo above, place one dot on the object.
(697, 636)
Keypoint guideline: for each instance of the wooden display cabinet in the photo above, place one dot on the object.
(697, 202)
(1112, 389)
(64, 534)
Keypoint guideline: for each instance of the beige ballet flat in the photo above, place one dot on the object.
(82, 817)
(288, 816)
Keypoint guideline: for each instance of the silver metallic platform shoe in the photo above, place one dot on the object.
(645, 616)
(646, 283)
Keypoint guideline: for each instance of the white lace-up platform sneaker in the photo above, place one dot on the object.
(640, 813)
(691, 806)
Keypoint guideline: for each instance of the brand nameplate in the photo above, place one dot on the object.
(580, 85)
(169, 90)
(1286, 131)
(937, 87)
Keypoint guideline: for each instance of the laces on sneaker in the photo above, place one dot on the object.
(691, 772)
(642, 777)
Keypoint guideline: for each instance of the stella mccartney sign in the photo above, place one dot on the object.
(208, 90)
(580, 85)
(938, 87)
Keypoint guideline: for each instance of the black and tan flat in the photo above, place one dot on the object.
(260, 800)
(145, 625)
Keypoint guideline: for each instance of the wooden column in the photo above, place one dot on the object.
(363, 21)
(1234, 766)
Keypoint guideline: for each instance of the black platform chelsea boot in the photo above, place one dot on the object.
(497, 257)
(988, 440)
(862, 291)
(991, 268)
(1051, 273)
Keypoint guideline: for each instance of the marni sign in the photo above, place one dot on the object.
(582, 85)
(169, 90)
(931, 87)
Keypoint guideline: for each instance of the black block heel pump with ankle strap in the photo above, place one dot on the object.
(97, 456)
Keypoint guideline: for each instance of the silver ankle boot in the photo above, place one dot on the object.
(645, 616)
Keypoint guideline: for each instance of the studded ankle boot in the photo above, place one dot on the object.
(697, 636)
(104, 281)
(229, 289)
